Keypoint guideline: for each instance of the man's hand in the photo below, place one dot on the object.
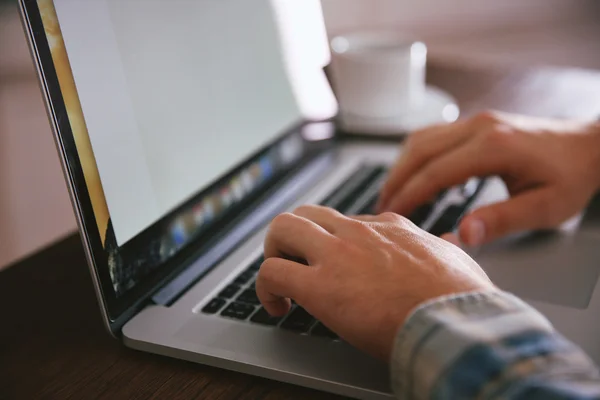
(551, 169)
(364, 274)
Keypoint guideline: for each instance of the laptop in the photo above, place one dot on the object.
(185, 127)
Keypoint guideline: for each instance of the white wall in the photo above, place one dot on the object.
(433, 17)
(505, 31)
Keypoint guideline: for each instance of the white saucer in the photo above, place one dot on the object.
(439, 107)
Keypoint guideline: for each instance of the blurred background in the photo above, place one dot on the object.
(34, 206)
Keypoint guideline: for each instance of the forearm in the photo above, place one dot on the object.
(487, 346)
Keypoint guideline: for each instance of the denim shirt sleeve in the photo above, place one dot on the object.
(487, 346)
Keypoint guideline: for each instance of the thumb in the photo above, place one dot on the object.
(530, 210)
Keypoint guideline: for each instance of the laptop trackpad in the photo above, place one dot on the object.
(559, 268)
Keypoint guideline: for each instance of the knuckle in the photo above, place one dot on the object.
(281, 220)
(303, 208)
(392, 217)
(486, 117)
(359, 227)
(496, 136)
(424, 134)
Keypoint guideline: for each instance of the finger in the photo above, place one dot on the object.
(366, 218)
(534, 209)
(326, 217)
(280, 280)
(452, 238)
(384, 217)
(425, 145)
(291, 235)
(450, 169)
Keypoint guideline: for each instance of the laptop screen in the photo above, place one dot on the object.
(180, 111)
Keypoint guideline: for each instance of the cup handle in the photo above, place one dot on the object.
(327, 71)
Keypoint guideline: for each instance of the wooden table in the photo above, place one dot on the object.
(53, 344)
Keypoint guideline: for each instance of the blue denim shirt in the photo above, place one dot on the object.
(487, 346)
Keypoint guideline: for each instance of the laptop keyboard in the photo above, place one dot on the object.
(357, 195)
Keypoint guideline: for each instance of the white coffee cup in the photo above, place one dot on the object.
(378, 74)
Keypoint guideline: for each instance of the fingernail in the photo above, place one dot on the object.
(475, 233)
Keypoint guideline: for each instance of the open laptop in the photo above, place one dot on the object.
(185, 127)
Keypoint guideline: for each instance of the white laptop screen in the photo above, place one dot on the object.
(166, 98)
(174, 94)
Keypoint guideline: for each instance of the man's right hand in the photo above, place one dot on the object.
(551, 169)
(364, 274)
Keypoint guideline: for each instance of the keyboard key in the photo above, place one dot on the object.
(447, 221)
(214, 306)
(470, 188)
(229, 291)
(244, 278)
(419, 216)
(369, 208)
(323, 331)
(346, 194)
(248, 296)
(251, 270)
(441, 195)
(255, 266)
(299, 320)
(238, 311)
(264, 318)
(454, 213)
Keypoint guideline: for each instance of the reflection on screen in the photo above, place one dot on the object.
(196, 218)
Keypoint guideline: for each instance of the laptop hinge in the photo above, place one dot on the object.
(276, 203)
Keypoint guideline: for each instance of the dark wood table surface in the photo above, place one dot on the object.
(52, 341)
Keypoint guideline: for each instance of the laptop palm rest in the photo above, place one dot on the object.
(287, 356)
(557, 268)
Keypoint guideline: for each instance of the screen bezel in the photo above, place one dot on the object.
(116, 310)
